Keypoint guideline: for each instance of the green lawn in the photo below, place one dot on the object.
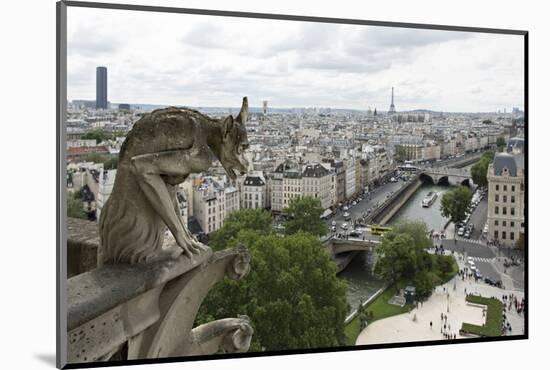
(493, 321)
(380, 308)
(352, 331)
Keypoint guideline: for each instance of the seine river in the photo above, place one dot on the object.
(362, 284)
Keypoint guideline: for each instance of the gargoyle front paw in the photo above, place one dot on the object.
(188, 246)
(200, 246)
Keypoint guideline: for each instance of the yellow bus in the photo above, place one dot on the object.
(378, 230)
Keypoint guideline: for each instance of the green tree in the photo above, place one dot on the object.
(98, 135)
(479, 170)
(111, 163)
(244, 219)
(95, 158)
(292, 294)
(445, 265)
(75, 207)
(501, 143)
(397, 257)
(424, 284)
(455, 203)
(417, 230)
(304, 214)
(520, 243)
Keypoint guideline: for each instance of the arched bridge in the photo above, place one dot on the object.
(339, 246)
(454, 176)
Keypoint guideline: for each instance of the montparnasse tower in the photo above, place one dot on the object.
(392, 106)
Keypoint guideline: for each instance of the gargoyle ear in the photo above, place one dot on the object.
(227, 126)
(243, 114)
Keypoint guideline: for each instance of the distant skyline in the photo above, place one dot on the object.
(182, 59)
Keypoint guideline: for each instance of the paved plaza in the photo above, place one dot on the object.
(415, 325)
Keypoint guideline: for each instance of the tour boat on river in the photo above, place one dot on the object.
(430, 199)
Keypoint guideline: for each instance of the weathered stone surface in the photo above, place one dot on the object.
(163, 148)
(142, 299)
(95, 292)
(148, 311)
(82, 246)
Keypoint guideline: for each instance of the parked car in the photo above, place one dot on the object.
(333, 228)
(347, 216)
(461, 231)
(478, 274)
(355, 233)
(344, 226)
(345, 208)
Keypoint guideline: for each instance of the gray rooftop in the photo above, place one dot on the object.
(510, 161)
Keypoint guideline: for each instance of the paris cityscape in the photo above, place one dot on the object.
(386, 221)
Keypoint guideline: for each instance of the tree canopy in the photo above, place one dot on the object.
(398, 257)
(292, 294)
(455, 203)
(402, 252)
(479, 170)
(501, 143)
(244, 219)
(101, 135)
(304, 214)
(520, 243)
(75, 207)
(402, 256)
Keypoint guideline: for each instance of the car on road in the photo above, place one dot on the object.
(333, 228)
(461, 231)
(355, 233)
(347, 216)
(344, 226)
(467, 234)
(333, 223)
(354, 203)
(478, 274)
(345, 208)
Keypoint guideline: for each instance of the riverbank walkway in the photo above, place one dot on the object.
(415, 325)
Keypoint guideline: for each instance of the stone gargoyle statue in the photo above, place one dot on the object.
(163, 148)
(142, 300)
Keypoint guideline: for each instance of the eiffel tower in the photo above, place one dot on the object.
(392, 106)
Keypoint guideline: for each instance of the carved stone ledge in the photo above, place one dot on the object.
(149, 309)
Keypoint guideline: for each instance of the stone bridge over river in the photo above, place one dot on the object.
(452, 176)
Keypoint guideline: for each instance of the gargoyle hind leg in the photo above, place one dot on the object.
(149, 169)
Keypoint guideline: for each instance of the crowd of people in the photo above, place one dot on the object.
(445, 327)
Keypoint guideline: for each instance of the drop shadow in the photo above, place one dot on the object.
(47, 358)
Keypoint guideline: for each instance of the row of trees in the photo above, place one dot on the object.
(292, 294)
(101, 135)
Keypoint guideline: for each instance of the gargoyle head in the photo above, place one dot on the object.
(234, 143)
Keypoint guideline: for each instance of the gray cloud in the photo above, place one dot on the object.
(198, 60)
(89, 41)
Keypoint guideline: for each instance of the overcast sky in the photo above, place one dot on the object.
(197, 60)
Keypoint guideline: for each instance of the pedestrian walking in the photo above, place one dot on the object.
(430, 325)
